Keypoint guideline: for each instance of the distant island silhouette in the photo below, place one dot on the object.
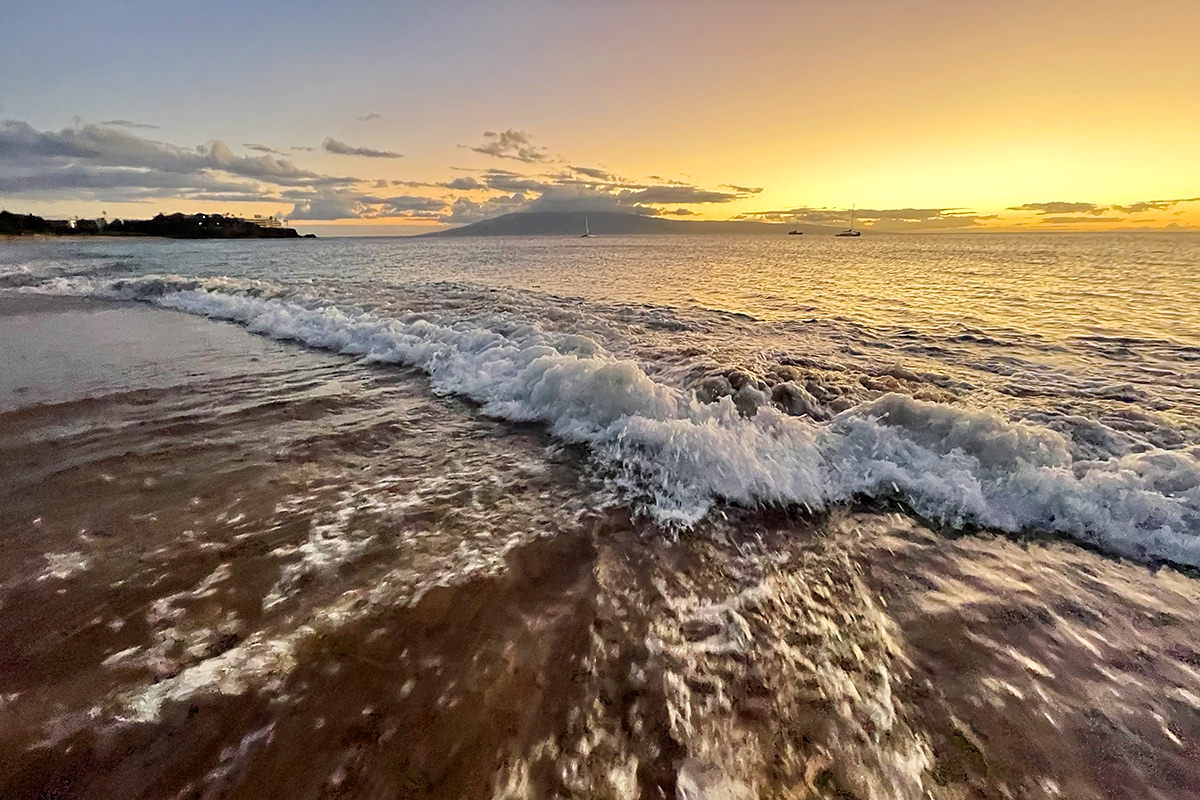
(171, 226)
(612, 223)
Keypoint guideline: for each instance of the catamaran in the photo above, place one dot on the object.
(795, 231)
(850, 231)
(587, 232)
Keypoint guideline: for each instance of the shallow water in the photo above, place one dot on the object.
(712, 517)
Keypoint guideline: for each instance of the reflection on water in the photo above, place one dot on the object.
(419, 555)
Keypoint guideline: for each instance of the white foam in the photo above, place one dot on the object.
(61, 566)
(676, 455)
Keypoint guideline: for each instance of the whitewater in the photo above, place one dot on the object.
(673, 451)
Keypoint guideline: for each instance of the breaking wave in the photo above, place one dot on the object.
(675, 452)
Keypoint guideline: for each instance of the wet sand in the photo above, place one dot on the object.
(237, 568)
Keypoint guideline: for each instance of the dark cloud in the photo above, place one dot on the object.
(235, 197)
(512, 144)
(681, 212)
(262, 148)
(505, 181)
(91, 178)
(128, 123)
(1059, 207)
(596, 190)
(331, 145)
(742, 189)
(19, 140)
(114, 163)
(368, 117)
(302, 148)
(594, 172)
(465, 183)
(1154, 205)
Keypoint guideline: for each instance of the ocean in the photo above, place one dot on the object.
(905, 516)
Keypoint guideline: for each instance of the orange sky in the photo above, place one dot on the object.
(927, 105)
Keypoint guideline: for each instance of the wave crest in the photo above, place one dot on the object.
(675, 452)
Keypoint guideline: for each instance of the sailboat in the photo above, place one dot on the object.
(795, 231)
(850, 231)
(587, 232)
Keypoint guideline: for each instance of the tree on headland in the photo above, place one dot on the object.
(19, 224)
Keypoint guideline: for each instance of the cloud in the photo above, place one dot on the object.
(742, 189)
(368, 117)
(345, 204)
(681, 212)
(1059, 207)
(512, 144)
(328, 205)
(506, 181)
(331, 145)
(126, 123)
(585, 198)
(19, 140)
(412, 205)
(114, 163)
(234, 197)
(1154, 205)
(90, 178)
(262, 148)
(464, 210)
(465, 183)
(593, 172)
(302, 148)
(674, 193)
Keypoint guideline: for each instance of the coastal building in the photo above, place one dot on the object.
(257, 219)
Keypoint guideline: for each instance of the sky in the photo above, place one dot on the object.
(364, 117)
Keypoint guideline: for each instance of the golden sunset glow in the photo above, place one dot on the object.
(966, 115)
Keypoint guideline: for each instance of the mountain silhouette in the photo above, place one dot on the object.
(611, 223)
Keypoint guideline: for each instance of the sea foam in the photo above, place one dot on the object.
(676, 455)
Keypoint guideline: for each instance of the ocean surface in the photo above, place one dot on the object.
(713, 517)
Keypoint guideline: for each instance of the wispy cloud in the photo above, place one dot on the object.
(261, 148)
(1059, 207)
(368, 117)
(331, 145)
(128, 123)
(594, 172)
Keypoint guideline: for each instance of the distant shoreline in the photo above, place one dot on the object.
(165, 226)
